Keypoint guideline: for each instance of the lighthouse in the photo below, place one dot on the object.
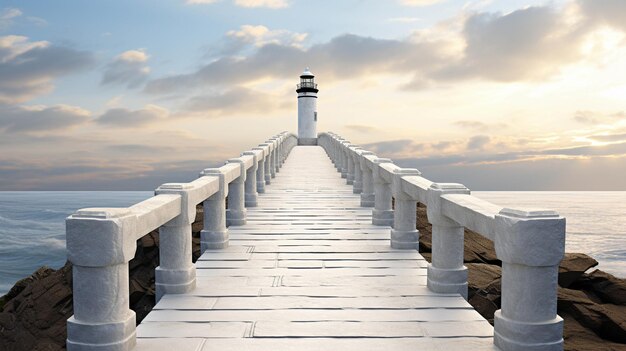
(307, 109)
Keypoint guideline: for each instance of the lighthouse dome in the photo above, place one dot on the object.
(307, 73)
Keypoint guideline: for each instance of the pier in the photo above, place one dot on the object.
(317, 250)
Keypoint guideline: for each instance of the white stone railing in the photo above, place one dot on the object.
(530, 243)
(101, 242)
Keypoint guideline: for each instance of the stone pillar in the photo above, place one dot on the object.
(268, 162)
(404, 234)
(236, 212)
(272, 158)
(214, 235)
(530, 244)
(367, 195)
(99, 252)
(350, 175)
(260, 173)
(338, 155)
(343, 147)
(382, 213)
(357, 185)
(446, 273)
(176, 274)
(251, 182)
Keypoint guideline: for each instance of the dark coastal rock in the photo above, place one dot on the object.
(34, 312)
(34, 315)
(592, 305)
(573, 266)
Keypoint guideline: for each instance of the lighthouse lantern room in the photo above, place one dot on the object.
(307, 109)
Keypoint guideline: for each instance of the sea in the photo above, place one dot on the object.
(32, 224)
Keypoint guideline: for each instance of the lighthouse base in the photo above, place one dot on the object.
(307, 141)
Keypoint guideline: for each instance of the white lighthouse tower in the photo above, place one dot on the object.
(307, 109)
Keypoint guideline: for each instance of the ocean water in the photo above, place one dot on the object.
(32, 224)
(32, 227)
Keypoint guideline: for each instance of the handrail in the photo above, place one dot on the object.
(101, 241)
(530, 243)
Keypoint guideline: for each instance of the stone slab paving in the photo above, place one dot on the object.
(310, 272)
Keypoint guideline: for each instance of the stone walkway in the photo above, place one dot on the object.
(310, 272)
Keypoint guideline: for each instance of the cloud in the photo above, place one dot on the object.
(608, 138)
(472, 124)
(20, 119)
(530, 44)
(273, 4)
(129, 68)
(593, 117)
(237, 100)
(28, 68)
(392, 147)
(7, 15)
(608, 12)
(249, 37)
(360, 128)
(125, 118)
(478, 142)
(344, 57)
(526, 44)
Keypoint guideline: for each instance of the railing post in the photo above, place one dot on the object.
(260, 172)
(272, 157)
(367, 195)
(251, 182)
(349, 153)
(357, 185)
(446, 273)
(99, 252)
(338, 155)
(214, 235)
(382, 213)
(276, 142)
(343, 147)
(176, 273)
(268, 162)
(404, 234)
(530, 244)
(236, 212)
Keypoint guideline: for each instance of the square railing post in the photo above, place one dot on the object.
(382, 213)
(176, 273)
(236, 212)
(367, 195)
(357, 185)
(531, 245)
(404, 234)
(446, 272)
(99, 251)
(214, 235)
(252, 194)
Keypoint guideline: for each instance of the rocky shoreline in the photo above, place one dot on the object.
(33, 313)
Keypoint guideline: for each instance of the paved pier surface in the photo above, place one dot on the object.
(310, 272)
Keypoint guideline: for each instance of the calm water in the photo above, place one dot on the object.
(32, 224)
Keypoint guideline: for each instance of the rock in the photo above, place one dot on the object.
(579, 338)
(573, 266)
(484, 292)
(33, 314)
(604, 285)
(36, 309)
(606, 320)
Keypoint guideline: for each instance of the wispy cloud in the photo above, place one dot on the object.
(128, 68)
(7, 15)
(125, 118)
(20, 119)
(28, 68)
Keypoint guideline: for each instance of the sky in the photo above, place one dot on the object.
(493, 94)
